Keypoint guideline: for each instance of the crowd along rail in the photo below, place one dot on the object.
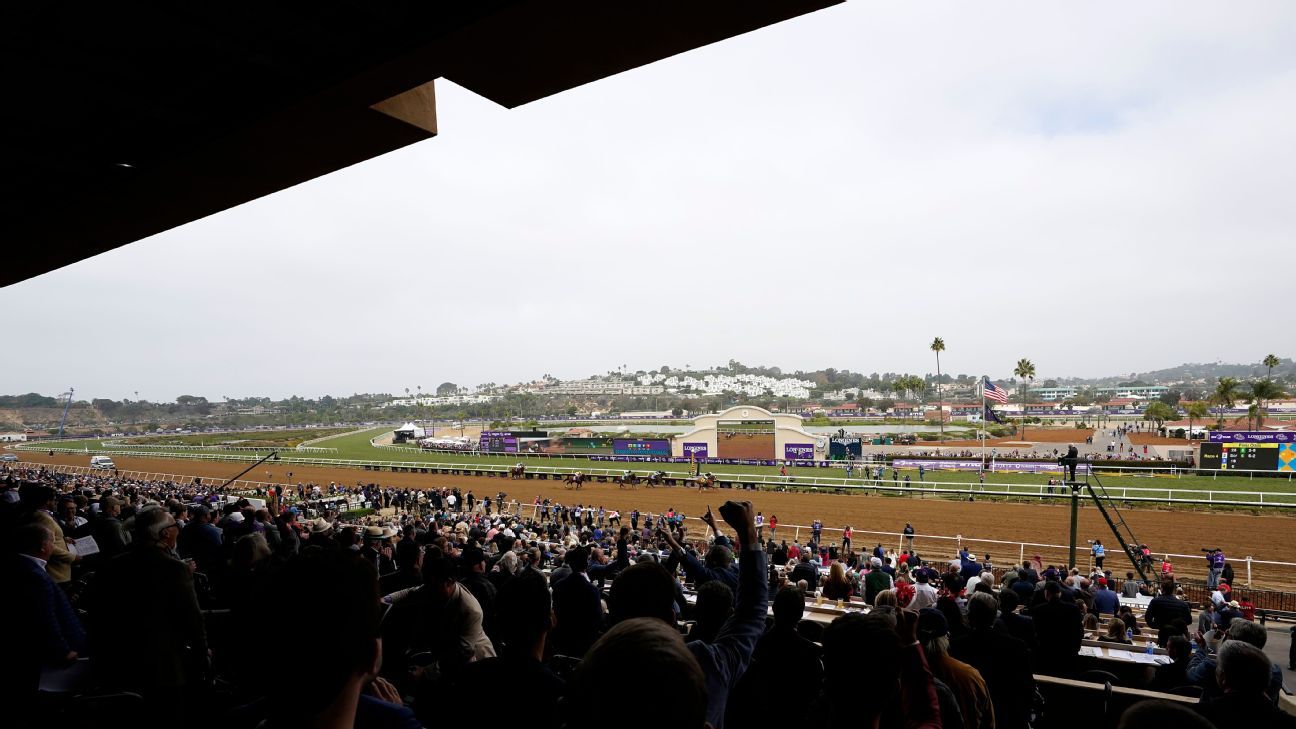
(931, 547)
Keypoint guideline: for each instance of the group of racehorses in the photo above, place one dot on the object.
(627, 480)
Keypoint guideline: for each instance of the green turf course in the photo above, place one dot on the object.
(356, 446)
(250, 438)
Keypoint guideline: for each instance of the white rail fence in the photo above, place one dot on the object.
(815, 481)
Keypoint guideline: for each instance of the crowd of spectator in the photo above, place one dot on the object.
(134, 602)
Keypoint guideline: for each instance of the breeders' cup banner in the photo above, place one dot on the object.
(994, 467)
(798, 451)
(640, 447)
(1252, 436)
(696, 450)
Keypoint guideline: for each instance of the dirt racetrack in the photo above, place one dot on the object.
(1165, 531)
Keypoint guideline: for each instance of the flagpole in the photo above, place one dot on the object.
(983, 419)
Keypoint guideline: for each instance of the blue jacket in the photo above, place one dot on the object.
(1106, 601)
(700, 574)
(725, 659)
(52, 625)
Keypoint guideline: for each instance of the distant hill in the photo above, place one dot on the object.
(1211, 371)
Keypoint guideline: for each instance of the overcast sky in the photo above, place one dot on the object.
(1100, 187)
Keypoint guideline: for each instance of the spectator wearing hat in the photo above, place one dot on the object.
(438, 617)
(525, 620)
(1105, 602)
(107, 529)
(924, 594)
(320, 534)
(969, 687)
(472, 575)
(201, 541)
(876, 580)
(377, 549)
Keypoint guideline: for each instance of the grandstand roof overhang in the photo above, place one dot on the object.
(128, 120)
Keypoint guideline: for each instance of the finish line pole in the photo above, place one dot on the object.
(1075, 511)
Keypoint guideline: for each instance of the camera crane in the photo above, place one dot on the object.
(1110, 514)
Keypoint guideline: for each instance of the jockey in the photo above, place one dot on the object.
(518, 465)
(626, 473)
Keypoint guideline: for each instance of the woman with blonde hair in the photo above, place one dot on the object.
(1115, 633)
(836, 587)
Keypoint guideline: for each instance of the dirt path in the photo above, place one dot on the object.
(1174, 531)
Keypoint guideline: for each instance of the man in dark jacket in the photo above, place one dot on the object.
(45, 632)
(1059, 628)
(472, 575)
(780, 653)
(805, 570)
(145, 585)
(578, 608)
(1166, 607)
(201, 542)
(107, 528)
(1003, 661)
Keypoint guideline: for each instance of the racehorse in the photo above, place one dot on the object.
(623, 481)
(705, 482)
(517, 471)
(657, 478)
(574, 480)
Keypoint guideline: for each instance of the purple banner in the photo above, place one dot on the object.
(697, 450)
(498, 441)
(713, 461)
(994, 466)
(798, 451)
(1252, 436)
(640, 447)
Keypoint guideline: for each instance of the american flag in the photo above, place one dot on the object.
(993, 393)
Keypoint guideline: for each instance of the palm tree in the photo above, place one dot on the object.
(1198, 410)
(938, 346)
(1025, 369)
(1225, 396)
(1158, 412)
(1271, 362)
(1263, 391)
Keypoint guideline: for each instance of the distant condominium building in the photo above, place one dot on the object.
(1137, 392)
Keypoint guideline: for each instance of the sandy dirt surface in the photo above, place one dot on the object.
(1174, 531)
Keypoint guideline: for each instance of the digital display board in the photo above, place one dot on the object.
(1242, 456)
(641, 447)
(496, 441)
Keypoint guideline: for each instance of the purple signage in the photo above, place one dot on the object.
(1252, 436)
(640, 447)
(695, 450)
(498, 441)
(798, 451)
(1018, 467)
